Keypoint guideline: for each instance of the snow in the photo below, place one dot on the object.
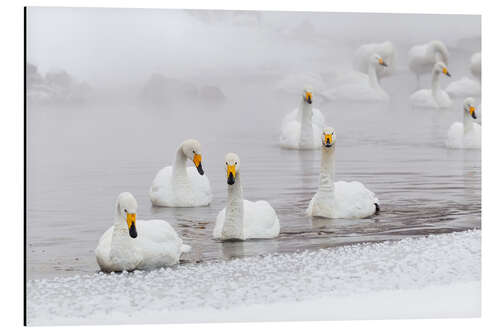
(434, 276)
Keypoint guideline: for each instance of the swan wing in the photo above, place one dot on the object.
(219, 224)
(159, 244)
(353, 200)
(455, 135)
(465, 87)
(260, 220)
(102, 250)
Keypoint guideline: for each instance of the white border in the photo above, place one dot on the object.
(11, 139)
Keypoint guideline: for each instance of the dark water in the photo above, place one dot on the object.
(81, 157)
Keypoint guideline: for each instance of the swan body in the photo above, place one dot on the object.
(466, 134)
(301, 129)
(339, 199)
(386, 50)
(464, 87)
(435, 97)
(243, 219)
(475, 65)
(179, 185)
(368, 87)
(129, 244)
(421, 58)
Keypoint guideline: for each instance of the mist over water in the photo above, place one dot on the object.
(158, 77)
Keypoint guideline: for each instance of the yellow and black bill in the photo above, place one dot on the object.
(197, 163)
(472, 111)
(308, 97)
(328, 139)
(446, 72)
(382, 62)
(231, 174)
(132, 231)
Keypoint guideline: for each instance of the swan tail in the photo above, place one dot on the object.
(185, 248)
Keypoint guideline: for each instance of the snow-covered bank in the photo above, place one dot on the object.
(435, 276)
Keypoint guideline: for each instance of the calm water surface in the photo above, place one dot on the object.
(81, 157)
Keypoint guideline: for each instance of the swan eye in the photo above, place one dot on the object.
(125, 211)
(235, 163)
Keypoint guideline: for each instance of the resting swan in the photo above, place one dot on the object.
(467, 87)
(368, 88)
(243, 219)
(339, 199)
(182, 186)
(386, 50)
(466, 135)
(129, 244)
(435, 97)
(301, 129)
(421, 58)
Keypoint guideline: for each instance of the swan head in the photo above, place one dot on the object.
(192, 150)
(328, 137)
(307, 95)
(377, 60)
(126, 206)
(440, 67)
(469, 107)
(232, 167)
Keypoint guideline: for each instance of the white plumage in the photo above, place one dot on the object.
(179, 185)
(142, 245)
(386, 50)
(363, 87)
(339, 199)
(435, 98)
(301, 128)
(421, 58)
(466, 134)
(243, 219)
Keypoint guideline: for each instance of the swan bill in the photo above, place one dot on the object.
(197, 163)
(132, 231)
(445, 72)
(308, 97)
(382, 62)
(231, 174)
(328, 140)
(472, 111)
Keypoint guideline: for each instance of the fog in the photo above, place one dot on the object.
(119, 49)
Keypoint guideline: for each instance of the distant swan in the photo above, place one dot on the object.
(475, 65)
(421, 58)
(467, 87)
(386, 50)
(243, 219)
(182, 186)
(368, 88)
(339, 199)
(129, 244)
(435, 97)
(466, 135)
(301, 129)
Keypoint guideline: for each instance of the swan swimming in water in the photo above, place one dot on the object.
(243, 219)
(421, 58)
(179, 185)
(368, 88)
(467, 87)
(435, 97)
(129, 244)
(301, 128)
(465, 135)
(339, 199)
(386, 50)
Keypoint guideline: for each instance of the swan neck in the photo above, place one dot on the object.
(233, 225)
(435, 83)
(306, 127)
(372, 77)
(327, 170)
(179, 171)
(468, 123)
